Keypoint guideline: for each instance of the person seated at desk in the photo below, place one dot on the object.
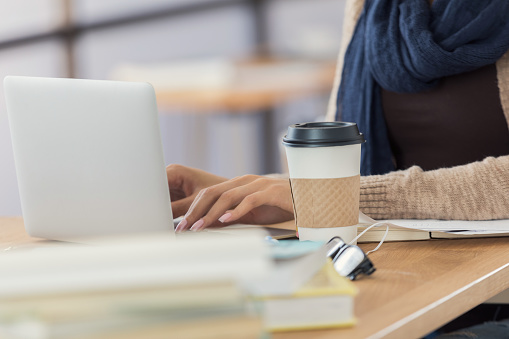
(428, 84)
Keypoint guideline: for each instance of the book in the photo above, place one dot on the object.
(395, 234)
(289, 273)
(413, 229)
(233, 327)
(134, 262)
(325, 301)
(132, 314)
(134, 287)
(97, 304)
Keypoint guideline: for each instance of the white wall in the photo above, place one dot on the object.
(92, 11)
(305, 28)
(21, 17)
(225, 32)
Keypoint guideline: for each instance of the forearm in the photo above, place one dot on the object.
(477, 191)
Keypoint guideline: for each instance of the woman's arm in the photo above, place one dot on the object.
(476, 191)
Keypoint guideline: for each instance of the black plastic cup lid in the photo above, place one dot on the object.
(323, 134)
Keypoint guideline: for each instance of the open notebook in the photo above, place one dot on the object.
(413, 229)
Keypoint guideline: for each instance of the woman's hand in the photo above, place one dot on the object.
(185, 183)
(248, 199)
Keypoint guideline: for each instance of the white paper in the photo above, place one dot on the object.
(465, 227)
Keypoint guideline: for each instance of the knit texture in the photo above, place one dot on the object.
(477, 191)
(503, 84)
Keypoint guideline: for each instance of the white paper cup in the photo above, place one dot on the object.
(324, 166)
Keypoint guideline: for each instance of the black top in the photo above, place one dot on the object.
(323, 134)
(458, 122)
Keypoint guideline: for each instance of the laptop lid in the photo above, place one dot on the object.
(88, 157)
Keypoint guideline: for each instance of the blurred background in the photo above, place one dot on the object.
(229, 75)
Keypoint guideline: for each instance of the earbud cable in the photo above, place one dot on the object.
(378, 224)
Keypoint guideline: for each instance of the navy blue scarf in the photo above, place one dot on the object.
(406, 46)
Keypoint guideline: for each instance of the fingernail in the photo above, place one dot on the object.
(225, 217)
(197, 225)
(182, 224)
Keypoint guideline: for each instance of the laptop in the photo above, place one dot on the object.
(88, 157)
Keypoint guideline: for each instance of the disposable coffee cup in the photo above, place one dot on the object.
(324, 164)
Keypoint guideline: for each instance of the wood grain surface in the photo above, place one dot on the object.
(418, 286)
(421, 285)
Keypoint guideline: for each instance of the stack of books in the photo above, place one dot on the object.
(142, 287)
(305, 291)
(325, 301)
(155, 287)
(198, 311)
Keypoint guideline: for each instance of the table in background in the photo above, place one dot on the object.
(418, 286)
(249, 86)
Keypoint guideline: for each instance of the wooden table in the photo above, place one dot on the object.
(253, 86)
(421, 285)
(418, 286)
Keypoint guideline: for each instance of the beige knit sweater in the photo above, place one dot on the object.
(476, 191)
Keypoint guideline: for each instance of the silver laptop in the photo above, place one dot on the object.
(88, 157)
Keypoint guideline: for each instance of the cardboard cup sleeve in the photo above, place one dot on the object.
(323, 203)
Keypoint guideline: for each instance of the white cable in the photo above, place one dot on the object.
(378, 224)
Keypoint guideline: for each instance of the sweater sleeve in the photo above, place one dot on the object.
(476, 191)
